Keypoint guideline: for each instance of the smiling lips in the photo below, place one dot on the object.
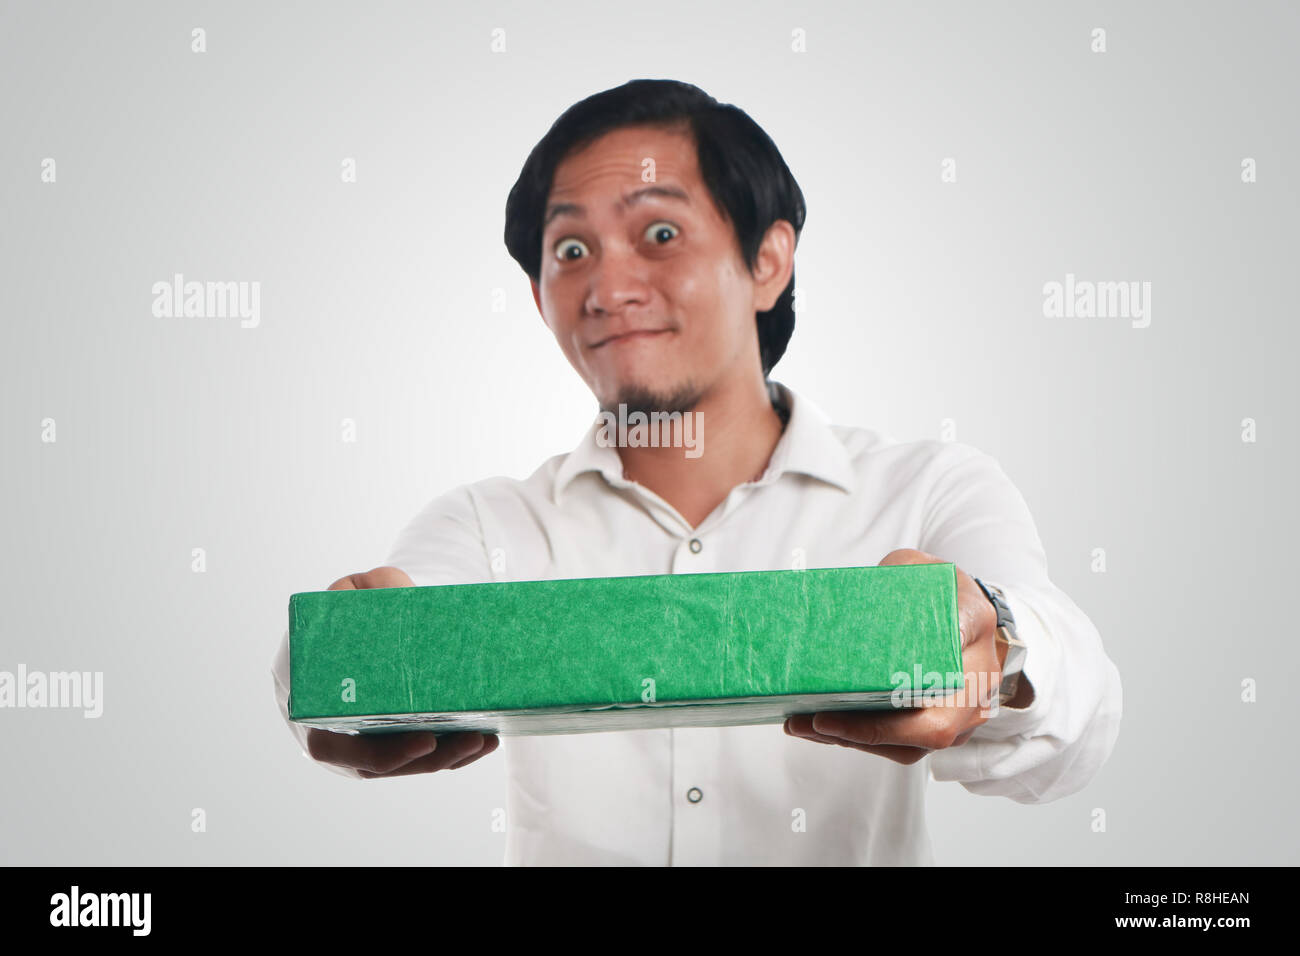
(632, 335)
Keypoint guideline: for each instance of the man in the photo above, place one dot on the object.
(658, 229)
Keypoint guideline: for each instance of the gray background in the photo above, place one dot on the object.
(923, 301)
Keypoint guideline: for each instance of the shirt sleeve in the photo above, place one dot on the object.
(976, 518)
(443, 544)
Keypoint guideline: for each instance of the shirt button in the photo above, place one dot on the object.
(695, 794)
(696, 546)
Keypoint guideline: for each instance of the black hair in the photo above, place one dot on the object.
(741, 166)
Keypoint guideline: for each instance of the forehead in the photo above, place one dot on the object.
(618, 159)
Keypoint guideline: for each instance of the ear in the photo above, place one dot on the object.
(537, 297)
(774, 265)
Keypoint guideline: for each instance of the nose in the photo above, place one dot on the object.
(617, 281)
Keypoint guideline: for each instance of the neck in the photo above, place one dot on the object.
(740, 429)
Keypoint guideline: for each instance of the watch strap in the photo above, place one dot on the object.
(1006, 633)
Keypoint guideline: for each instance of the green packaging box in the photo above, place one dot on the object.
(626, 653)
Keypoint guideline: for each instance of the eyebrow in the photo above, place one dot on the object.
(646, 192)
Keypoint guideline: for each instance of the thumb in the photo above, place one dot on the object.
(383, 577)
(909, 556)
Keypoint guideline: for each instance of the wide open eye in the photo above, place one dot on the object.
(656, 228)
(564, 249)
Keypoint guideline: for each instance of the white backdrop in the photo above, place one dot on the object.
(922, 310)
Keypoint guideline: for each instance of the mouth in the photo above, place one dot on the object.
(635, 335)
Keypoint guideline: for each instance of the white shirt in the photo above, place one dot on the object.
(832, 496)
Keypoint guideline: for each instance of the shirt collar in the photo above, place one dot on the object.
(807, 446)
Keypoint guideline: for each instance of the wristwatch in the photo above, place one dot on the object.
(1006, 633)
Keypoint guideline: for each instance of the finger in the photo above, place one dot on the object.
(931, 728)
(909, 556)
(903, 755)
(969, 624)
(490, 743)
(383, 577)
(963, 738)
(452, 749)
(975, 615)
(376, 753)
(800, 725)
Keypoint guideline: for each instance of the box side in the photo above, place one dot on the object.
(626, 641)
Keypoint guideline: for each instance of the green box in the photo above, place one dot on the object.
(626, 653)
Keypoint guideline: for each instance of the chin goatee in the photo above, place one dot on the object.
(636, 398)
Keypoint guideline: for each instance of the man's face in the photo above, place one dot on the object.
(642, 283)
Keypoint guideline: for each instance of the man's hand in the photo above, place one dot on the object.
(402, 753)
(908, 735)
